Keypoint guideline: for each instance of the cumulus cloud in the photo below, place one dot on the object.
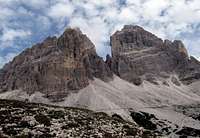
(60, 10)
(10, 35)
(24, 23)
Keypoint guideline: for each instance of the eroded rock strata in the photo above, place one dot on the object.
(55, 66)
(139, 55)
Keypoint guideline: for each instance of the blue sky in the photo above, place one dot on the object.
(26, 22)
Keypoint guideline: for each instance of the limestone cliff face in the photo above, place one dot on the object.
(59, 66)
(56, 66)
(139, 55)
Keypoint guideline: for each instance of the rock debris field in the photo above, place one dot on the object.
(23, 120)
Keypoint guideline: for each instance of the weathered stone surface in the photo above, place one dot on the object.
(144, 119)
(137, 53)
(55, 66)
(187, 131)
(175, 81)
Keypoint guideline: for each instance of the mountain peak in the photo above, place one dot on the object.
(73, 32)
(133, 37)
(140, 55)
(73, 29)
(57, 66)
(74, 39)
(136, 30)
(132, 27)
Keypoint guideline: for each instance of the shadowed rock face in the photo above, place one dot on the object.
(139, 55)
(55, 66)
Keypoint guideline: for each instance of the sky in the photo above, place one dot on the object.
(27, 22)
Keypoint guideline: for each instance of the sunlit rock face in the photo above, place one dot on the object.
(139, 55)
(56, 66)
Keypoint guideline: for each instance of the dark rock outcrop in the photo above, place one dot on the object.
(187, 131)
(139, 55)
(144, 119)
(55, 66)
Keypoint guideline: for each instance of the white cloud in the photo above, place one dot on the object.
(152, 9)
(37, 4)
(128, 15)
(193, 46)
(10, 34)
(61, 10)
(5, 13)
(102, 3)
(44, 21)
(21, 11)
(181, 11)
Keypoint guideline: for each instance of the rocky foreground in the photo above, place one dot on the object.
(24, 120)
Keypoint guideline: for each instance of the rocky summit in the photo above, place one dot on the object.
(56, 66)
(139, 55)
